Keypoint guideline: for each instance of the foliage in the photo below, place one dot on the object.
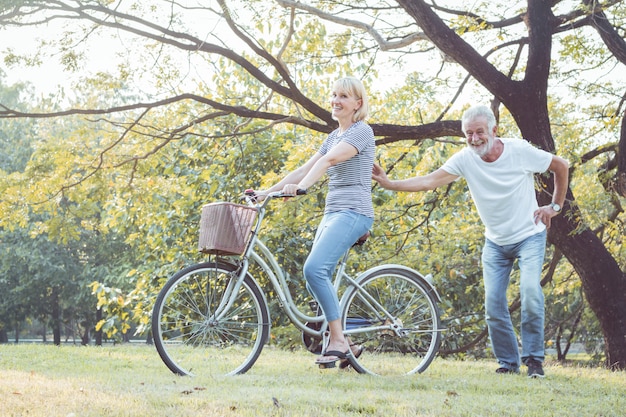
(202, 103)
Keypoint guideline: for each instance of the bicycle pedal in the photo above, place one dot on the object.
(327, 365)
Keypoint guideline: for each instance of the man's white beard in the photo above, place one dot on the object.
(484, 148)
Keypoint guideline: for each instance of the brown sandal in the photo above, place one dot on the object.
(328, 358)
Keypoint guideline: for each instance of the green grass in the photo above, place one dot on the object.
(131, 380)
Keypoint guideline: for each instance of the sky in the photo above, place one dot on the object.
(47, 77)
(49, 74)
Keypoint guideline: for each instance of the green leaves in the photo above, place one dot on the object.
(194, 109)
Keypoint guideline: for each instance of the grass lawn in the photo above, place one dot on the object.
(131, 380)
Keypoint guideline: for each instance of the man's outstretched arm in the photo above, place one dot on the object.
(418, 183)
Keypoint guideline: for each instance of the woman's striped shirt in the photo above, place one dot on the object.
(350, 185)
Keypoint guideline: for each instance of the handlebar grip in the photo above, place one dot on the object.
(300, 191)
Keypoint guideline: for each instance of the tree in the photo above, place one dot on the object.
(256, 73)
(15, 138)
(527, 101)
(47, 264)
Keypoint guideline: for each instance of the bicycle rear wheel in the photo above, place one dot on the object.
(195, 335)
(396, 322)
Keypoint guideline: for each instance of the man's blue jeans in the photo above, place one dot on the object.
(337, 232)
(497, 265)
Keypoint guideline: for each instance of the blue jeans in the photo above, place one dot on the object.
(497, 264)
(336, 233)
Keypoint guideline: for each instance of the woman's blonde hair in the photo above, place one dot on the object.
(354, 87)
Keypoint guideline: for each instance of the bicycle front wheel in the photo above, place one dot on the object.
(199, 330)
(394, 317)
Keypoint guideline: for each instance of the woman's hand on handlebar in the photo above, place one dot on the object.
(255, 196)
(290, 190)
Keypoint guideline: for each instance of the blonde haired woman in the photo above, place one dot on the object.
(347, 156)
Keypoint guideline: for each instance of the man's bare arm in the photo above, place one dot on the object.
(418, 183)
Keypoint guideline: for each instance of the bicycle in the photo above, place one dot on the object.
(213, 318)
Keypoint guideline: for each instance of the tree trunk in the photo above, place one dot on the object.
(56, 317)
(84, 339)
(98, 334)
(17, 331)
(603, 282)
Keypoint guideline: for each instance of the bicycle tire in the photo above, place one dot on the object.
(188, 338)
(405, 345)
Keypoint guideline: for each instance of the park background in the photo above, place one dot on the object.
(119, 120)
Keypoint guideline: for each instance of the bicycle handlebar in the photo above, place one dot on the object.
(251, 196)
(275, 194)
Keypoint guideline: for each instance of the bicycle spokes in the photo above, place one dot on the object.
(395, 318)
(202, 323)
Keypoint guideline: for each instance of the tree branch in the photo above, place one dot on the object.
(184, 41)
(458, 49)
(613, 41)
(620, 180)
(384, 44)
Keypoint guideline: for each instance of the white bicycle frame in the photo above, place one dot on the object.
(257, 252)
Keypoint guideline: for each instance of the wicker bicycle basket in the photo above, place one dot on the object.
(225, 227)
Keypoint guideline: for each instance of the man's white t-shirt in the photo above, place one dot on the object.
(504, 190)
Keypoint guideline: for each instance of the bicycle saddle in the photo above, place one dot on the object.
(360, 241)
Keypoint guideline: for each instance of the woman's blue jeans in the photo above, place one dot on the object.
(497, 265)
(336, 233)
